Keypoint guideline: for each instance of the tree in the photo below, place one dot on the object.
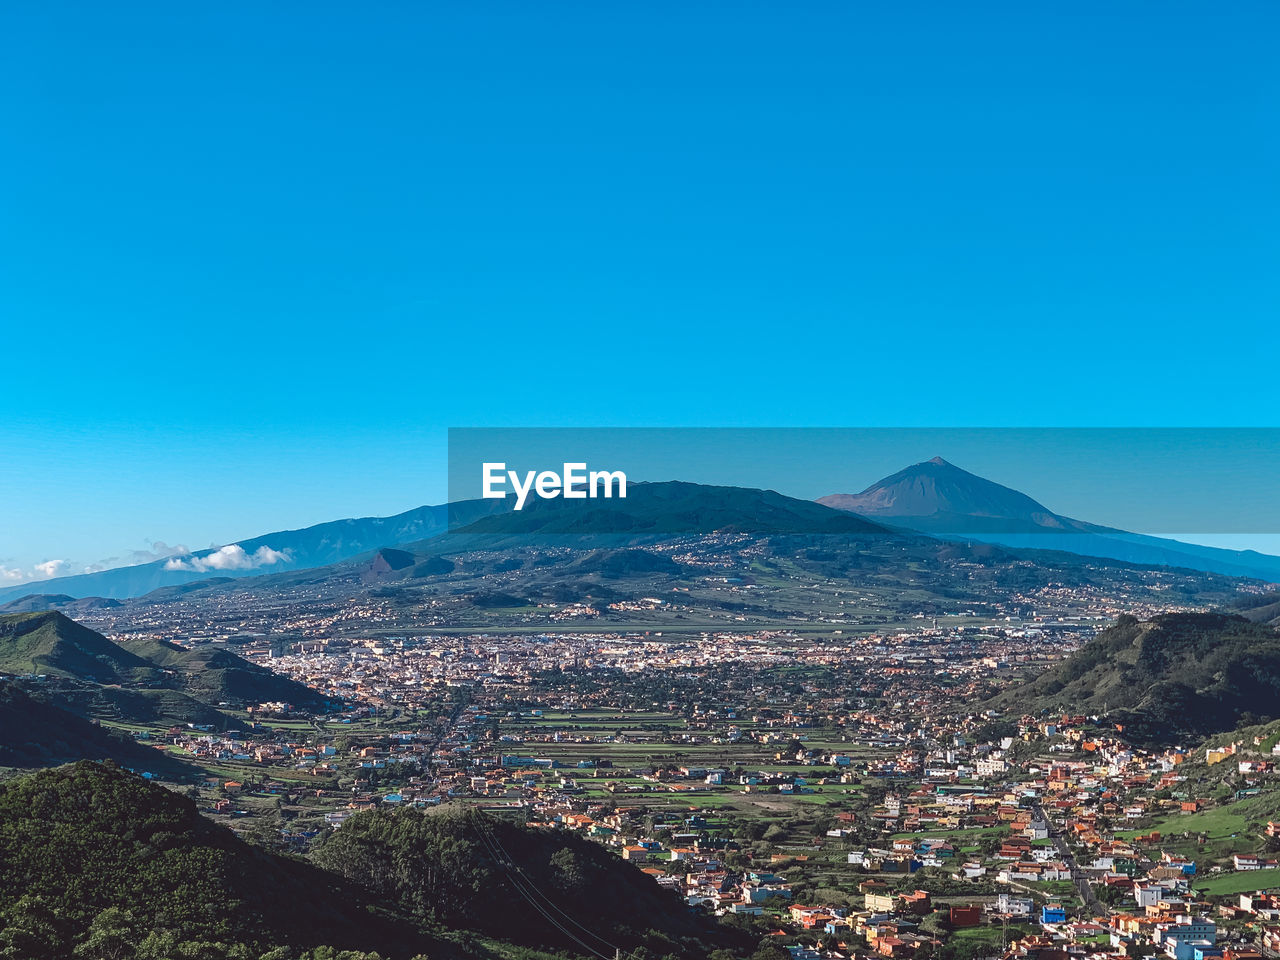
(111, 936)
(768, 950)
(936, 925)
(32, 931)
(568, 870)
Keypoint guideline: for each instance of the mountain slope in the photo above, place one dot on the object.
(314, 546)
(215, 674)
(35, 733)
(144, 681)
(1174, 676)
(1260, 609)
(51, 643)
(941, 499)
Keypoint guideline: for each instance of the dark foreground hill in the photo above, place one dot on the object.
(36, 733)
(91, 851)
(1170, 678)
(559, 890)
(91, 854)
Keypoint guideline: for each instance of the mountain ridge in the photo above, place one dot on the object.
(939, 499)
(934, 499)
(675, 507)
(298, 549)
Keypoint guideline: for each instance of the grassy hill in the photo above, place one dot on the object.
(214, 674)
(51, 643)
(144, 682)
(1173, 677)
(1227, 884)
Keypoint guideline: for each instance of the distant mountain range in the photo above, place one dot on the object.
(941, 499)
(770, 560)
(314, 546)
(934, 498)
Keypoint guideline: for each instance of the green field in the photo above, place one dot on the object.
(1215, 834)
(1241, 882)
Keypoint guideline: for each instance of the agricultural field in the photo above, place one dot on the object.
(1244, 881)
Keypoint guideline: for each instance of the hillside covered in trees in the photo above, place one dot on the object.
(560, 890)
(1174, 677)
(37, 733)
(96, 862)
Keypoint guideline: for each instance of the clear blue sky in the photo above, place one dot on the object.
(255, 258)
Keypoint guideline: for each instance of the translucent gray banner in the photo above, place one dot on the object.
(1009, 484)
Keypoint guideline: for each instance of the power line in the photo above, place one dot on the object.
(552, 920)
(493, 837)
(527, 889)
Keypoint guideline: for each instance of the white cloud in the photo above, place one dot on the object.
(52, 568)
(231, 557)
(40, 571)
